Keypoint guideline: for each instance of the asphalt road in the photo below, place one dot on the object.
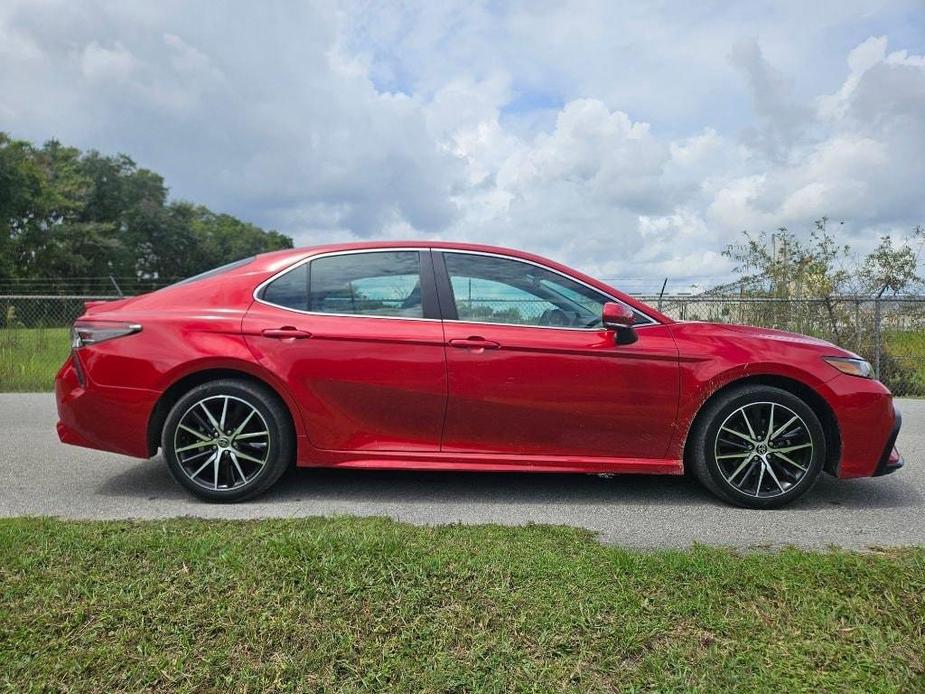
(40, 476)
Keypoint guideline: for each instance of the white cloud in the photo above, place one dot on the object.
(634, 141)
(865, 163)
(98, 63)
(781, 119)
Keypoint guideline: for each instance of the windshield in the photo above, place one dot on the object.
(214, 271)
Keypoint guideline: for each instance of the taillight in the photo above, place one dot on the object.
(79, 369)
(87, 332)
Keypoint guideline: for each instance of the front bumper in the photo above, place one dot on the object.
(867, 422)
(891, 460)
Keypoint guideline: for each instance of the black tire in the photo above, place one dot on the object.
(799, 473)
(234, 478)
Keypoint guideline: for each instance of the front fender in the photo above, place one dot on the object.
(712, 358)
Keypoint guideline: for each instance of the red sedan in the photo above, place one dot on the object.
(442, 356)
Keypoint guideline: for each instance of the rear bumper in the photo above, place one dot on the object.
(891, 460)
(102, 417)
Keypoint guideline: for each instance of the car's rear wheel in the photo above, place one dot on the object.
(758, 447)
(228, 440)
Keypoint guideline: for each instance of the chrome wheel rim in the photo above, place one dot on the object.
(222, 443)
(763, 449)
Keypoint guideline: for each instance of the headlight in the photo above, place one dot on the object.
(852, 367)
(93, 332)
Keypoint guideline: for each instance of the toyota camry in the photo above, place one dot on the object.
(443, 356)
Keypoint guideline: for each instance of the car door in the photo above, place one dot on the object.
(532, 372)
(357, 337)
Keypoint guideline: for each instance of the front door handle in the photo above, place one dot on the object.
(287, 332)
(475, 343)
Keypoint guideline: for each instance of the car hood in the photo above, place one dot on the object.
(772, 334)
(761, 334)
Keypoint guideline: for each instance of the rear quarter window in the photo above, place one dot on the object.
(289, 290)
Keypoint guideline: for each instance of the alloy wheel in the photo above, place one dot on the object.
(222, 442)
(763, 449)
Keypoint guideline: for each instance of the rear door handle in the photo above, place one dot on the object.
(286, 333)
(474, 343)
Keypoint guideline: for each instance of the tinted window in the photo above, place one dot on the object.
(500, 290)
(289, 290)
(386, 283)
(480, 299)
(215, 271)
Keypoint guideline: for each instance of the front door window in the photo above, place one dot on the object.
(488, 289)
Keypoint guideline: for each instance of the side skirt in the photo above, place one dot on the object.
(400, 460)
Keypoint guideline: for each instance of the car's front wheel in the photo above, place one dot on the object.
(757, 446)
(228, 440)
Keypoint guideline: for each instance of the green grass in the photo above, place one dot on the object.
(907, 348)
(30, 358)
(909, 343)
(370, 604)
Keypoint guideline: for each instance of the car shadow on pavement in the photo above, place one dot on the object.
(865, 492)
(150, 480)
(143, 479)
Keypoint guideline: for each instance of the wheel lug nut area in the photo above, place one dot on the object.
(763, 449)
(207, 448)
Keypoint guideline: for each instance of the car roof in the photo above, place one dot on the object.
(413, 243)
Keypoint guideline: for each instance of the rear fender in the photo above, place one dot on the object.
(243, 366)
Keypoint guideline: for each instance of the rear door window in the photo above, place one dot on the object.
(381, 283)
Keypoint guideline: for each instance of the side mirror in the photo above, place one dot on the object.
(618, 317)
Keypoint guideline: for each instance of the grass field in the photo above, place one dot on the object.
(370, 604)
(30, 358)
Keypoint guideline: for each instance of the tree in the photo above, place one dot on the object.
(892, 267)
(166, 247)
(20, 189)
(68, 214)
(221, 237)
(781, 265)
(82, 249)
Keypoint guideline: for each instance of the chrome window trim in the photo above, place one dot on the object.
(354, 251)
(612, 298)
(543, 327)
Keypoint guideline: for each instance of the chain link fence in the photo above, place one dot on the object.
(34, 337)
(38, 311)
(889, 332)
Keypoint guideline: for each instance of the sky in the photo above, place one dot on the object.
(633, 140)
